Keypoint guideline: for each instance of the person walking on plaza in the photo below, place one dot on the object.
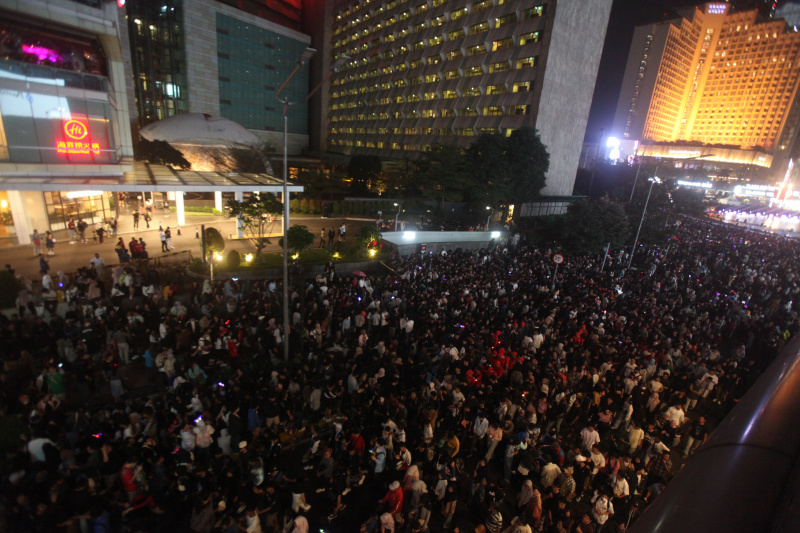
(163, 236)
(98, 228)
(322, 235)
(44, 266)
(168, 235)
(147, 219)
(136, 220)
(36, 239)
(71, 228)
(82, 225)
(50, 243)
(113, 225)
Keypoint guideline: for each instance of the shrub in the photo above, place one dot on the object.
(294, 205)
(337, 208)
(197, 209)
(233, 260)
(305, 205)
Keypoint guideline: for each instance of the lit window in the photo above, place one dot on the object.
(474, 71)
(532, 37)
(474, 91)
(469, 112)
(458, 13)
(522, 87)
(532, 12)
(505, 20)
(434, 59)
(492, 111)
(479, 28)
(502, 43)
(526, 62)
(449, 94)
(455, 35)
(455, 54)
(498, 67)
(476, 50)
(496, 89)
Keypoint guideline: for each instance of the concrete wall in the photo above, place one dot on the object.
(573, 57)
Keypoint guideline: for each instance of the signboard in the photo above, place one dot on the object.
(76, 139)
(558, 259)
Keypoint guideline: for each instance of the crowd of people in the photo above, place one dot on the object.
(463, 391)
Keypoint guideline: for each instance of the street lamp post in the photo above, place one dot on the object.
(489, 217)
(653, 181)
(305, 56)
(399, 207)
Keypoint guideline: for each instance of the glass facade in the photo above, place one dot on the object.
(52, 115)
(253, 62)
(92, 207)
(157, 52)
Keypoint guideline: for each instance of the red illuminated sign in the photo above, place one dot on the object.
(77, 143)
(76, 129)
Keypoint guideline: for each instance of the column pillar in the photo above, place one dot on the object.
(218, 200)
(179, 208)
(16, 201)
(239, 223)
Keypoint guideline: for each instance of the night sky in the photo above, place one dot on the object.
(625, 16)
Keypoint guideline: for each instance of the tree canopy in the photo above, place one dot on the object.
(256, 213)
(214, 242)
(299, 238)
(160, 153)
(442, 174)
(366, 234)
(509, 169)
(590, 226)
(244, 159)
(363, 170)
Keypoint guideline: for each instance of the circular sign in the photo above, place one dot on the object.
(76, 130)
(558, 259)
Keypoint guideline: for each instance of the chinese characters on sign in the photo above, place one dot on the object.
(76, 131)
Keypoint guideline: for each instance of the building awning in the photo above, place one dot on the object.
(149, 178)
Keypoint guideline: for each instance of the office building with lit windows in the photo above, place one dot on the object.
(444, 71)
(717, 84)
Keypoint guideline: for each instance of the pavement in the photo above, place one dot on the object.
(69, 257)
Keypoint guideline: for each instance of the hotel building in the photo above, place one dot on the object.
(716, 84)
(422, 72)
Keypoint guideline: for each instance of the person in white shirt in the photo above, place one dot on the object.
(550, 473)
(589, 437)
(676, 415)
(603, 509)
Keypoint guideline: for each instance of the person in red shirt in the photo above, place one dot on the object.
(393, 499)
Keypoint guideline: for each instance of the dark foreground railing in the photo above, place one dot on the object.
(746, 477)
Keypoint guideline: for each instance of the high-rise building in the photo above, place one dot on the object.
(220, 57)
(444, 71)
(63, 110)
(717, 84)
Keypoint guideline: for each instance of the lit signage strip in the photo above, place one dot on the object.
(704, 185)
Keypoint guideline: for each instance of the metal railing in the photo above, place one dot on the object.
(746, 477)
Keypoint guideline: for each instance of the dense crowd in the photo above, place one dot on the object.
(465, 391)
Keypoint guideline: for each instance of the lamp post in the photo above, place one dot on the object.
(399, 207)
(653, 180)
(489, 217)
(305, 56)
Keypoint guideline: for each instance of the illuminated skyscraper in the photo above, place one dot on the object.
(444, 71)
(721, 83)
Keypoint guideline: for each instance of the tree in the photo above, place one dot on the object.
(367, 234)
(299, 238)
(244, 159)
(319, 182)
(257, 213)
(442, 174)
(214, 245)
(528, 163)
(509, 170)
(160, 153)
(363, 170)
(590, 226)
(487, 161)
